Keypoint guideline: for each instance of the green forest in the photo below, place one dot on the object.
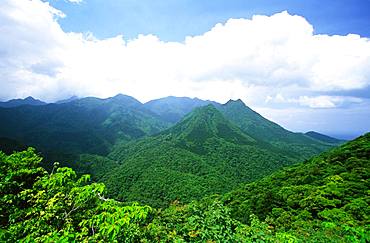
(324, 199)
(203, 154)
(175, 170)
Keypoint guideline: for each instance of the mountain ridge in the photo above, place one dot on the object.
(323, 137)
(94, 125)
(20, 102)
(202, 154)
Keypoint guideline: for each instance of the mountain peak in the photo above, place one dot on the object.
(205, 123)
(121, 96)
(124, 99)
(235, 102)
(29, 98)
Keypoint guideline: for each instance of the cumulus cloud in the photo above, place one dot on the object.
(242, 58)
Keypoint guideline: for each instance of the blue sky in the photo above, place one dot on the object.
(172, 20)
(302, 64)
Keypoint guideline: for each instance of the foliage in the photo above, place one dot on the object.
(201, 155)
(58, 206)
(325, 199)
(37, 206)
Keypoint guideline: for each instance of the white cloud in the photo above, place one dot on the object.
(252, 59)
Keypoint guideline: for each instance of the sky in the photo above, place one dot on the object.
(302, 64)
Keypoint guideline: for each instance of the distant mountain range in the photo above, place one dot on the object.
(93, 125)
(166, 149)
(19, 102)
(89, 125)
(323, 138)
(32, 101)
(173, 109)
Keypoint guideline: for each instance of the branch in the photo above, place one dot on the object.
(101, 197)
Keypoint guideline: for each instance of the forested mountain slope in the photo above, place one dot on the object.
(201, 155)
(324, 199)
(321, 200)
(173, 109)
(296, 145)
(88, 125)
(66, 129)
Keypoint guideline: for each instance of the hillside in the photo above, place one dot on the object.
(326, 197)
(201, 155)
(296, 145)
(88, 125)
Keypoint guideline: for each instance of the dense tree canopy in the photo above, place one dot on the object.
(201, 155)
(325, 199)
(58, 206)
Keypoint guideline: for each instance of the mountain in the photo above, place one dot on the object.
(202, 154)
(87, 125)
(324, 199)
(142, 156)
(295, 144)
(239, 173)
(253, 123)
(206, 123)
(19, 102)
(173, 109)
(323, 138)
(72, 98)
